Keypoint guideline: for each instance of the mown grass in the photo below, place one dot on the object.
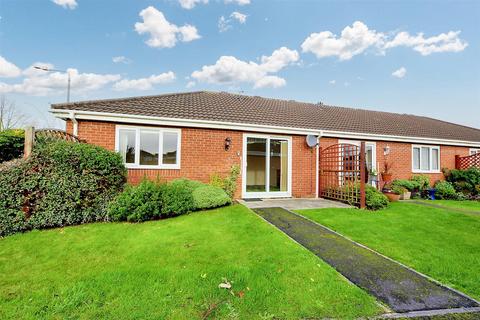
(466, 204)
(440, 243)
(171, 269)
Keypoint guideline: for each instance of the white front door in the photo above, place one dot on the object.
(266, 166)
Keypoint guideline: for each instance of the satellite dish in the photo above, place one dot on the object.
(311, 140)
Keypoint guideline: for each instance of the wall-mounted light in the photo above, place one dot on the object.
(386, 150)
(228, 143)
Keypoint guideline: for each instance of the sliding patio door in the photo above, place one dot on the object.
(266, 167)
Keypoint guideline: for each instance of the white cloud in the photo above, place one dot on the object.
(332, 82)
(239, 2)
(42, 83)
(121, 59)
(225, 24)
(230, 70)
(163, 34)
(400, 73)
(8, 69)
(240, 17)
(67, 4)
(356, 39)
(190, 4)
(190, 84)
(444, 42)
(353, 40)
(144, 83)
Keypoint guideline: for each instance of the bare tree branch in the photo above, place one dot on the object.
(10, 117)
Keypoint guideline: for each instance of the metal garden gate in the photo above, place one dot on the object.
(342, 173)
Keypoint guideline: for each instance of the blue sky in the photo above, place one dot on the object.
(418, 57)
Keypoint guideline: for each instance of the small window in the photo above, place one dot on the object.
(149, 148)
(474, 151)
(425, 159)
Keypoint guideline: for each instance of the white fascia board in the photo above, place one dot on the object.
(139, 119)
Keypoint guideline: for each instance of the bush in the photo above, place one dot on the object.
(465, 181)
(407, 184)
(228, 184)
(11, 144)
(420, 182)
(445, 190)
(137, 204)
(61, 183)
(177, 197)
(374, 199)
(208, 196)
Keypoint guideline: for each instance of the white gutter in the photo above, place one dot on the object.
(149, 120)
(75, 123)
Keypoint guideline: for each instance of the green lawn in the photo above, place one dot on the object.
(171, 269)
(467, 205)
(440, 243)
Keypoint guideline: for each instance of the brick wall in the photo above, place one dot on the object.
(203, 154)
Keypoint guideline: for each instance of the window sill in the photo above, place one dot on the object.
(423, 171)
(163, 167)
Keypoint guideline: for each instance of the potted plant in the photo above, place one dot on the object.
(404, 187)
(392, 193)
(387, 171)
(402, 191)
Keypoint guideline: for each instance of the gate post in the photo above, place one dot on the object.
(362, 175)
(29, 140)
(319, 172)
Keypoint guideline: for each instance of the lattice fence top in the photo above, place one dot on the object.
(468, 161)
(56, 134)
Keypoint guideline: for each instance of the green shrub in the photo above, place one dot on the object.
(228, 184)
(374, 199)
(11, 144)
(421, 182)
(399, 189)
(208, 196)
(465, 181)
(137, 204)
(445, 190)
(407, 184)
(61, 183)
(177, 197)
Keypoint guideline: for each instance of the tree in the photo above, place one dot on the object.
(10, 117)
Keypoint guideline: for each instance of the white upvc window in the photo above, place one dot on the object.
(149, 147)
(425, 159)
(474, 151)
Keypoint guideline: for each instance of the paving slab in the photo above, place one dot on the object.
(294, 203)
(399, 287)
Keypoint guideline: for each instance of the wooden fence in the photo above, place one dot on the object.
(48, 134)
(467, 162)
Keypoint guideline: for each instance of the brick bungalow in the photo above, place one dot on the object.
(196, 134)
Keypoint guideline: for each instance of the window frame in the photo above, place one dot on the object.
(430, 152)
(473, 151)
(160, 131)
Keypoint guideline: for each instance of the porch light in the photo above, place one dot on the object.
(228, 143)
(386, 150)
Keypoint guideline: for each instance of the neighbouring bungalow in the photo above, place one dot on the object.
(197, 134)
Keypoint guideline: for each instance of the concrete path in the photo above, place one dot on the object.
(402, 289)
(294, 203)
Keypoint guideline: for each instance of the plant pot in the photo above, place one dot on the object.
(405, 195)
(392, 197)
(387, 176)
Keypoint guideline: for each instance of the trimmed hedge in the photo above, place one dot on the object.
(465, 181)
(153, 200)
(62, 183)
(11, 144)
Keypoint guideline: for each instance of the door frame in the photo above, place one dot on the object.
(267, 194)
(373, 144)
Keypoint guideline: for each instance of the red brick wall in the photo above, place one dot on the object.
(203, 154)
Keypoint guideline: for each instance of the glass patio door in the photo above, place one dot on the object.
(267, 165)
